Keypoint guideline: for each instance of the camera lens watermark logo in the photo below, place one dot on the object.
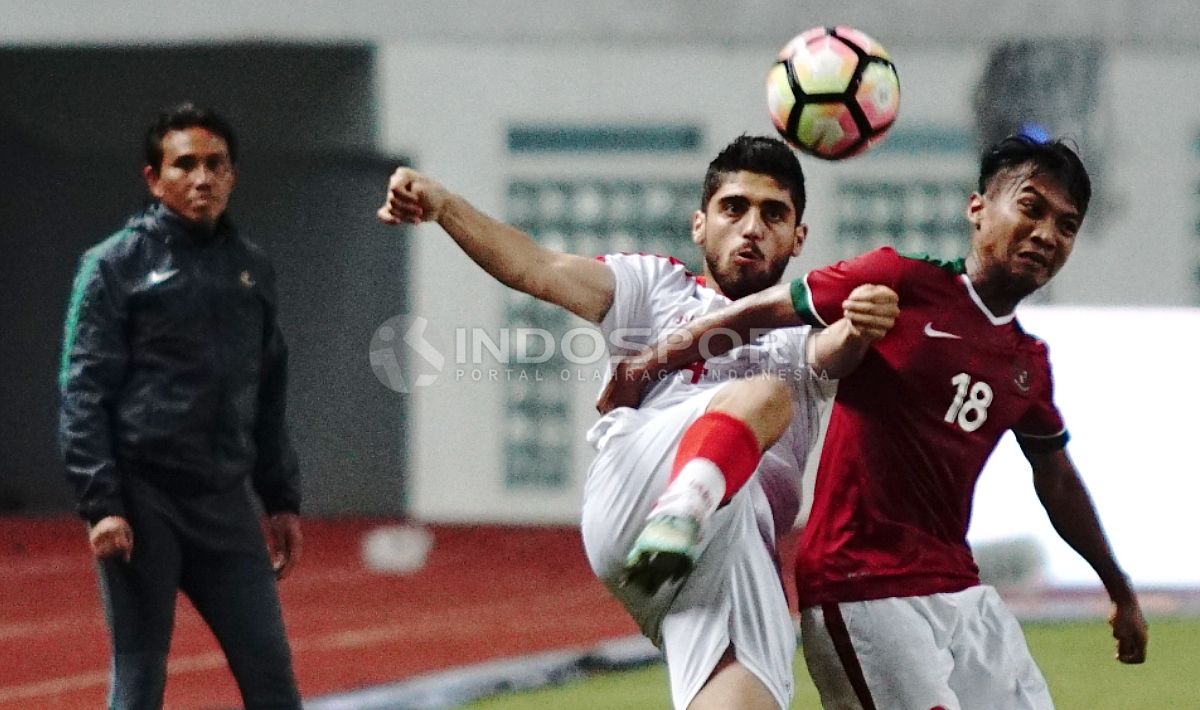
(402, 356)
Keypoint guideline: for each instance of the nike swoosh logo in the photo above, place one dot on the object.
(935, 333)
(157, 277)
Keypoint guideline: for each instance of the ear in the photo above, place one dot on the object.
(698, 221)
(152, 181)
(975, 207)
(801, 235)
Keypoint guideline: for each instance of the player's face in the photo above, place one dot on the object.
(1025, 227)
(749, 232)
(196, 176)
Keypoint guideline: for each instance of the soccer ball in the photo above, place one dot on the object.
(833, 92)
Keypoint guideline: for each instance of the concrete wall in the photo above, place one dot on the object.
(966, 23)
(451, 106)
(451, 79)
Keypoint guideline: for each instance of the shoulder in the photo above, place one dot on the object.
(1032, 358)
(871, 264)
(1032, 344)
(921, 262)
(648, 267)
(918, 271)
(121, 243)
(118, 252)
(647, 261)
(881, 255)
(643, 283)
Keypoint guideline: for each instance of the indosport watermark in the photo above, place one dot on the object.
(391, 346)
(410, 352)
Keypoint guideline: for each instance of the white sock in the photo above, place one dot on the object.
(695, 493)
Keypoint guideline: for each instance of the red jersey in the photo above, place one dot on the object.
(911, 429)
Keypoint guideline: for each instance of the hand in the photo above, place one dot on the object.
(111, 537)
(1130, 631)
(624, 389)
(871, 310)
(412, 198)
(284, 542)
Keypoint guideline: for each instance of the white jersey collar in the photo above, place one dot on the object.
(993, 318)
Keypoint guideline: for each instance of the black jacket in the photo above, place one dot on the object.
(174, 369)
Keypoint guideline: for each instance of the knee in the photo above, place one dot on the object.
(766, 399)
(606, 552)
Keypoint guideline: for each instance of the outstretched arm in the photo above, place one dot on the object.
(868, 313)
(579, 284)
(1074, 517)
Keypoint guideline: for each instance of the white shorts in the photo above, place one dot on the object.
(960, 651)
(733, 596)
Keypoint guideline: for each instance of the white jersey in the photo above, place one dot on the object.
(655, 295)
(734, 596)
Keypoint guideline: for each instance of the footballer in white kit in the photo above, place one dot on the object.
(688, 495)
(734, 594)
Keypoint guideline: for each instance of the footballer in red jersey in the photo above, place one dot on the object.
(892, 610)
(915, 424)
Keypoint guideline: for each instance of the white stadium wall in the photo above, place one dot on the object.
(457, 103)
(455, 78)
(452, 108)
(965, 23)
(1125, 380)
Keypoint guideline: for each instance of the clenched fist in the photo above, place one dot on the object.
(111, 537)
(412, 198)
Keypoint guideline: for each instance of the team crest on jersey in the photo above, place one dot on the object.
(246, 279)
(1021, 377)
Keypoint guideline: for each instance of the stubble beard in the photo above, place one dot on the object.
(736, 284)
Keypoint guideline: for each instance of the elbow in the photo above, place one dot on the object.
(1054, 491)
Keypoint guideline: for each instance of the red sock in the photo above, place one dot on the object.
(726, 441)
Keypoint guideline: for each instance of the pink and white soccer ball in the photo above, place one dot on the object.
(833, 92)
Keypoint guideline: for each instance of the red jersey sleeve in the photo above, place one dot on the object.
(818, 295)
(1041, 429)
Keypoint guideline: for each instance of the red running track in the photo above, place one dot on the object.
(487, 592)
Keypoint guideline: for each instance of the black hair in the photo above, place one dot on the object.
(186, 115)
(761, 155)
(1053, 158)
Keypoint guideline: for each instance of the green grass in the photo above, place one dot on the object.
(1077, 659)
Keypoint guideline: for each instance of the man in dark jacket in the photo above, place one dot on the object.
(173, 386)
